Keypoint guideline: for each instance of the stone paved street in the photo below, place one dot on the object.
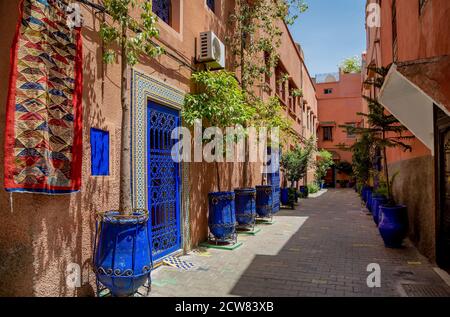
(320, 249)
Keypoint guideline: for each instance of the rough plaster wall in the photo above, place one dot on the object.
(414, 187)
(41, 235)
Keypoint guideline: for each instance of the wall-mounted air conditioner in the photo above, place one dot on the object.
(211, 50)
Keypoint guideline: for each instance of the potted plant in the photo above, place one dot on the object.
(122, 255)
(323, 163)
(379, 198)
(220, 103)
(386, 131)
(392, 219)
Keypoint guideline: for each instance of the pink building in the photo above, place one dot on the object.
(339, 100)
(413, 41)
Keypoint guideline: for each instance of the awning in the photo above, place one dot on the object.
(410, 90)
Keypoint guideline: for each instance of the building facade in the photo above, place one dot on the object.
(412, 41)
(41, 236)
(339, 102)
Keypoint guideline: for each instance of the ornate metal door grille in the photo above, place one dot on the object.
(162, 9)
(163, 181)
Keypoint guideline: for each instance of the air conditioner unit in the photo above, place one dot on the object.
(211, 50)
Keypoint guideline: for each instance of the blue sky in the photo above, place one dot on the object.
(330, 31)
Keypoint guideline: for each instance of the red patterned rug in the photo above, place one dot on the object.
(44, 114)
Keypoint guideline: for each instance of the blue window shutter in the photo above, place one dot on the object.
(99, 152)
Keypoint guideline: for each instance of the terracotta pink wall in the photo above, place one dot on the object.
(420, 35)
(40, 235)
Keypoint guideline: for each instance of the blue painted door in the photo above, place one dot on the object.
(163, 181)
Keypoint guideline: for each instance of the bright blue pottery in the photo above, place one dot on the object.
(222, 215)
(393, 225)
(264, 200)
(369, 200)
(364, 193)
(245, 203)
(122, 259)
(304, 191)
(377, 201)
(285, 196)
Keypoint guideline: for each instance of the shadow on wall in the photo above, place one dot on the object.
(413, 187)
(202, 180)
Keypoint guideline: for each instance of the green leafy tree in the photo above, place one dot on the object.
(323, 163)
(384, 130)
(219, 102)
(134, 37)
(254, 38)
(363, 152)
(351, 65)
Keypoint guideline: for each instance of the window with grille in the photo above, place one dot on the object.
(328, 133)
(162, 9)
(328, 91)
(351, 134)
(211, 5)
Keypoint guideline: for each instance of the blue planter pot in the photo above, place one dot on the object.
(285, 196)
(245, 203)
(369, 200)
(122, 258)
(304, 191)
(264, 201)
(393, 225)
(365, 190)
(222, 215)
(377, 201)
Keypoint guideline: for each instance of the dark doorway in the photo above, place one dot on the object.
(442, 150)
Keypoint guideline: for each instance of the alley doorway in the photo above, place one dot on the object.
(163, 183)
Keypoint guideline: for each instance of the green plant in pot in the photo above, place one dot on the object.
(254, 40)
(122, 254)
(218, 103)
(386, 132)
(323, 163)
(295, 163)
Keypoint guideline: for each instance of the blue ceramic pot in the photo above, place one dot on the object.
(304, 191)
(285, 196)
(393, 225)
(377, 201)
(264, 201)
(222, 215)
(122, 259)
(369, 200)
(245, 203)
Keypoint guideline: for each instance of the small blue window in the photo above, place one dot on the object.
(99, 152)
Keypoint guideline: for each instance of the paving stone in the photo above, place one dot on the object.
(322, 248)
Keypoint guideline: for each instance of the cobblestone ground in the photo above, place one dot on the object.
(320, 249)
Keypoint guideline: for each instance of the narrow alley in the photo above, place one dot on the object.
(322, 248)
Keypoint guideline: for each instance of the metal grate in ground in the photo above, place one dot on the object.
(425, 290)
